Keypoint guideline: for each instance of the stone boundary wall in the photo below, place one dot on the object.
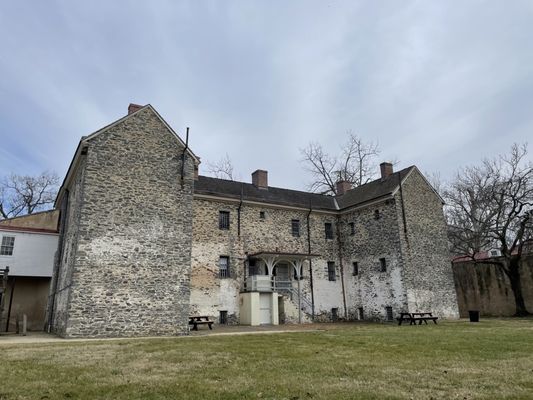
(486, 288)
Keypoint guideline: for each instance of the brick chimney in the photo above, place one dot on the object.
(260, 179)
(133, 107)
(343, 187)
(386, 170)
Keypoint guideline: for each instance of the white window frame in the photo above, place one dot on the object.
(7, 250)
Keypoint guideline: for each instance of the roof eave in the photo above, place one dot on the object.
(413, 168)
(72, 167)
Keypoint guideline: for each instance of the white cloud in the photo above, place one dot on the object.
(438, 84)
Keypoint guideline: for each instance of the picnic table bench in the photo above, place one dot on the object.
(200, 320)
(417, 316)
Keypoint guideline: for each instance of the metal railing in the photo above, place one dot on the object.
(259, 283)
(265, 283)
(305, 304)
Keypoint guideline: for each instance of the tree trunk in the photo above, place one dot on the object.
(516, 286)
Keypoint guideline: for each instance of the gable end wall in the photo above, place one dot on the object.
(132, 266)
(428, 276)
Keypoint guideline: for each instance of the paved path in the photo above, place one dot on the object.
(218, 330)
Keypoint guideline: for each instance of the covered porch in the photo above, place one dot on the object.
(270, 275)
(274, 271)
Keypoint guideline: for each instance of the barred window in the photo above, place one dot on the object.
(388, 312)
(352, 228)
(223, 318)
(331, 271)
(383, 265)
(355, 265)
(295, 227)
(328, 230)
(223, 267)
(223, 220)
(253, 268)
(8, 243)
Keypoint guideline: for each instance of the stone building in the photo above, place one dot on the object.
(145, 242)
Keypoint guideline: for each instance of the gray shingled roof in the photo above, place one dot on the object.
(372, 190)
(231, 189)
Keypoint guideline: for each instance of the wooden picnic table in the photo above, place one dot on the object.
(417, 316)
(196, 320)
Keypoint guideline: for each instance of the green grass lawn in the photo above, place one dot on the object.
(492, 359)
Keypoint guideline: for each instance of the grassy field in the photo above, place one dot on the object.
(456, 360)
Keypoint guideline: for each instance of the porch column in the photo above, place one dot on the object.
(297, 265)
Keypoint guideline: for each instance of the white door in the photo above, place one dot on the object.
(265, 308)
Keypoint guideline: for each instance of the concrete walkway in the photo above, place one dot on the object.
(218, 330)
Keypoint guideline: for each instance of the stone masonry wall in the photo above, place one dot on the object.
(61, 282)
(374, 238)
(132, 265)
(211, 294)
(427, 276)
(486, 288)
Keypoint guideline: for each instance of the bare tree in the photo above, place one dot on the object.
(435, 180)
(356, 164)
(491, 206)
(23, 194)
(222, 169)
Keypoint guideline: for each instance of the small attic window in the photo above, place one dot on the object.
(377, 215)
(261, 215)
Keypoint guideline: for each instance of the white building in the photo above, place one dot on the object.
(29, 254)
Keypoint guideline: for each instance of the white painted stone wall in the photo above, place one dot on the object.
(211, 294)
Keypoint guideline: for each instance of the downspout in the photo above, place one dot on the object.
(341, 266)
(406, 258)
(183, 157)
(403, 207)
(299, 298)
(310, 262)
(239, 213)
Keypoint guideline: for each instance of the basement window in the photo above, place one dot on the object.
(382, 265)
(8, 243)
(388, 312)
(355, 266)
(331, 271)
(223, 220)
(328, 230)
(223, 267)
(295, 227)
(223, 318)
(352, 228)
(335, 314)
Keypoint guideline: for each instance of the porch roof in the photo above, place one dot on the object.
(286, 256)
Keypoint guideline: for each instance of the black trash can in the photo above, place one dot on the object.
(474, 315)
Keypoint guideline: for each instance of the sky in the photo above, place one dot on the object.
(438, 84)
